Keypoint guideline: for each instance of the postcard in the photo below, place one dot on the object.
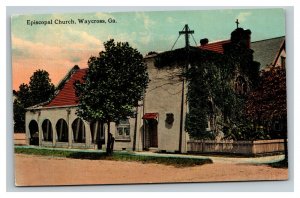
(149, 97)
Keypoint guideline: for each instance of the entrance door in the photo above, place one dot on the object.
(152, 131)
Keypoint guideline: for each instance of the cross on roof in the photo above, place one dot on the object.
(237, 23)
(186, 32)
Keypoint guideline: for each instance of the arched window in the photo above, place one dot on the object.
(34, 133)
(78, 131)
(47, 130)
(97, 131)
(241, 86)
(62, 130)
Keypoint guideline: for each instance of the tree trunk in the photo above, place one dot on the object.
(108, 151)
(135, 130)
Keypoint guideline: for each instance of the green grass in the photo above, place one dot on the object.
(280, 164)
(117, 156)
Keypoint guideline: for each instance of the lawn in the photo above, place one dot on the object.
(118, 156)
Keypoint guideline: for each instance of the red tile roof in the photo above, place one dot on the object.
(66, 96)
(215, 47)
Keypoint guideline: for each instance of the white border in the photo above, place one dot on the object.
(238, 186)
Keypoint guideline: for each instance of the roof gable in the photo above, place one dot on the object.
(265, 51)
(66, 96)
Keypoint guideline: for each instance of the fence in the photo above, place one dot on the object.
(19, 139)
(236, 147)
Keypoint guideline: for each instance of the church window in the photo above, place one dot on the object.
(241, 86)
(47, 130)
(282, 61)
(123, 129)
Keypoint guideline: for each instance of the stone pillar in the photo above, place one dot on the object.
(70, 131)
(40, 128)
(87, 134)
(54, 133)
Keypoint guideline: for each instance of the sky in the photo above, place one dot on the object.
(56, 48)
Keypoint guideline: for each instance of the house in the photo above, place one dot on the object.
(159, 118)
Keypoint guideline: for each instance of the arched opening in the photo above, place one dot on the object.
(47, 130)
(62, 130)
(78, 131)
(97, 131)
(241, 86)
(34, 133)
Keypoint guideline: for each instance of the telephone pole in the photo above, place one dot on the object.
(186, 33)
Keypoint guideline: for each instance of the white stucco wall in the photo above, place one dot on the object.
(163, 96)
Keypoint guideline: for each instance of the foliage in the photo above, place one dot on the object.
(244, 131)
(40, 89)
(19, 105)
(268, 100)
(115, 82)
(210, 83)
(117, 156)
(267, 103)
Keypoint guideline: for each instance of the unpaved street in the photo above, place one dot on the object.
(38, 170)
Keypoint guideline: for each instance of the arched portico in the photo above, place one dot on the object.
(62, 130)
(78, 128)
(34, 133)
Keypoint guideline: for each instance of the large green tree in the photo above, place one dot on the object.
(40, 89)
(115, 82)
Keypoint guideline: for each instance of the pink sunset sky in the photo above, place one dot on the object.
(57, 48)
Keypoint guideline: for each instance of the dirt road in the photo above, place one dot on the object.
(39, 171)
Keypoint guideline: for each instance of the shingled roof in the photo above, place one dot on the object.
(265, 51)
(66, 96)
(215, 46)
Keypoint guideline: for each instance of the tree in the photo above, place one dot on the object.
(19, 105)
(268, 101)
(268, 104)
(40, 89)
(115, 82)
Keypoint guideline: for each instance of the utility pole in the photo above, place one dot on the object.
(186, 33)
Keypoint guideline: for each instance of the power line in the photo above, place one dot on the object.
(176, 40)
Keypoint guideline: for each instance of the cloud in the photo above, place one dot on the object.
(170, 20)
(243, 16)
(146, 20)
(56, 54)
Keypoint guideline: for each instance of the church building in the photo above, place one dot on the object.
(158, 121)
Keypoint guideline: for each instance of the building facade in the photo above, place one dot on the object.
(157, 123)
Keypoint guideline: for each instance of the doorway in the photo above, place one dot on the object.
(151, 131)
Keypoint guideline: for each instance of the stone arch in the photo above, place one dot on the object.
(34, 132)
(97, 131)
(47, 130)
(62, 130)
(78, 131)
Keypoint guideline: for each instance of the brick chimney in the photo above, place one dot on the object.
(204, 41)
